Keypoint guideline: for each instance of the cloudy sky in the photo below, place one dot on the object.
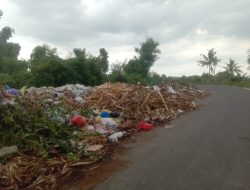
(184, 28)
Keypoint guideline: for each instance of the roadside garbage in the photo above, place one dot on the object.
(108, 122)
(145, 126)
(94, 148)
(114, 137)
(90, 128)
(114, 114)
(193, 104)
(171, 90)
(105, 114)
(168, 126)
(79, 99)
(79, 121)
(53, 131)
(8, 150)
(13, 91)
(138, 102)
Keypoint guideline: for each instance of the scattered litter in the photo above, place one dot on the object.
(145, 126)
(94, 148)
(193, 104)
(168, 126)
(79, 121)
(114, 137)
(90, 128)
(108, 122)
(79, 99)
(13, 91)
(171, 90)
(6, 150)
(180, 111)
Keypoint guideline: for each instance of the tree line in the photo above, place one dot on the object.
(46, 68)
(232, 74)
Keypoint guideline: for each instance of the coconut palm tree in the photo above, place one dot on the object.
(232, 67)
(210, 60)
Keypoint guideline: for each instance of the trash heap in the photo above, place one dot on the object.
(47, 134)
(141, 103)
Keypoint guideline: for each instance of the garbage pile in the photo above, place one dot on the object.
(141, 103)
(47, 133)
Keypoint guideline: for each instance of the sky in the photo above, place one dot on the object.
(184, 28)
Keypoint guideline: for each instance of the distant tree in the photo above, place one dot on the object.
(138, 68)
(86, 68)
(210, 60)
(103, 60)
(52, 73)
(148, 52)
(42, 54)
(155, 79)
(233, 68)
(79, 53)
(8, 50)
(117, 72)
(10, 66)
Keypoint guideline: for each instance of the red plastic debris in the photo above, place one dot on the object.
(79, 120)
(145, 126)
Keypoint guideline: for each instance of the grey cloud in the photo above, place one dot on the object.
(63, 21)
(115, 23)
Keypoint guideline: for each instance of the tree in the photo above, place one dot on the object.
(10, 66)
(233, 68)
(86, 68)
(103, 60)
(8, 49)
(52, 73)
(148, 52)
(138, 68)
(210, 61)
(42, 54)
(117, 72)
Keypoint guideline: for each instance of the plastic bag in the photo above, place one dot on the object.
(145, 126)
(79, 121)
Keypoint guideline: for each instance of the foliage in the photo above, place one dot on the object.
(30, 127)
(10, 67)
(86, 68)
(210, 61)
(137, 69)
(52, 73)
(103, 62)
(46, 68)
(42, 55)
(233, 68)
(117, 73)
(156, 79)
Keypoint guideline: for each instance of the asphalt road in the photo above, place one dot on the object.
(208, 149)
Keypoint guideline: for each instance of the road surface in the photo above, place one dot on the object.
(208, 149)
